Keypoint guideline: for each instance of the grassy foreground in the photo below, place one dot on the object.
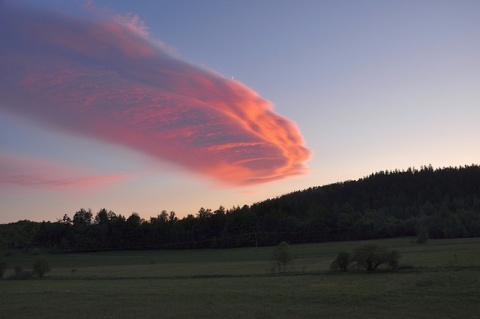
(445, 283)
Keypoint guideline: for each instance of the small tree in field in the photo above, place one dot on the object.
(371, 256)
(342, 261)
(393, 259)
(282, 255)
(41, 266)
(422, 237)
(18, 271)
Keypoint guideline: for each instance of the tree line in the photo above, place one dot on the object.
(444, 203)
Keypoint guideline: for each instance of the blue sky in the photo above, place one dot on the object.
(370, 85)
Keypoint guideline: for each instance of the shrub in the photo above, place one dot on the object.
(41, 266)
(26, 274)
(422, 237)
(342, 261)
(3, 268)
(18, 270)
(371, 256)
(282, 255)
(393, 259)
(22, 274)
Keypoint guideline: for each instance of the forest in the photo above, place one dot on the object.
(443, 203)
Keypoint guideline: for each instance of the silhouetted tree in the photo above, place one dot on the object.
(82, 218)
(102, 217)
(134, 220)
(66, 220)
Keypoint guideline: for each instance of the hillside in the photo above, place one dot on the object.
(445, 202)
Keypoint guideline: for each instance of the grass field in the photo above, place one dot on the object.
(236, 283)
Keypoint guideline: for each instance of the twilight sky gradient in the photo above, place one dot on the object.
(176, 105)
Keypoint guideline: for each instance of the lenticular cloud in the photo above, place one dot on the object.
(105, 78)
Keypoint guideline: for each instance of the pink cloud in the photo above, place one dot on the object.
(51, 175)
(106, 79)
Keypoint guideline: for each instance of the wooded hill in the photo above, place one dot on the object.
(445, 202)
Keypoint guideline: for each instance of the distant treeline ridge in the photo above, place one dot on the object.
(445, 202)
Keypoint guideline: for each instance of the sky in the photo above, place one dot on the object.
(144, 106)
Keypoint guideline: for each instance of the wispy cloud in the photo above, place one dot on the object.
(50, 175)
(105, 78)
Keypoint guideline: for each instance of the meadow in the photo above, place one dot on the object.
(441, 281)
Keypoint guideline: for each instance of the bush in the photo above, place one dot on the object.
(3, 268)
(41, 266)
(393, 259)
(342, 261)
(371, 256)
(21, 274)
(26, 274)
(18, 270)
(422, 237)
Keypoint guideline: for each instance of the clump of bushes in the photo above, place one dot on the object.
(40, 267)
(368, 257)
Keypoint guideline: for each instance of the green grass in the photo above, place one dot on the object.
(236, 284)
